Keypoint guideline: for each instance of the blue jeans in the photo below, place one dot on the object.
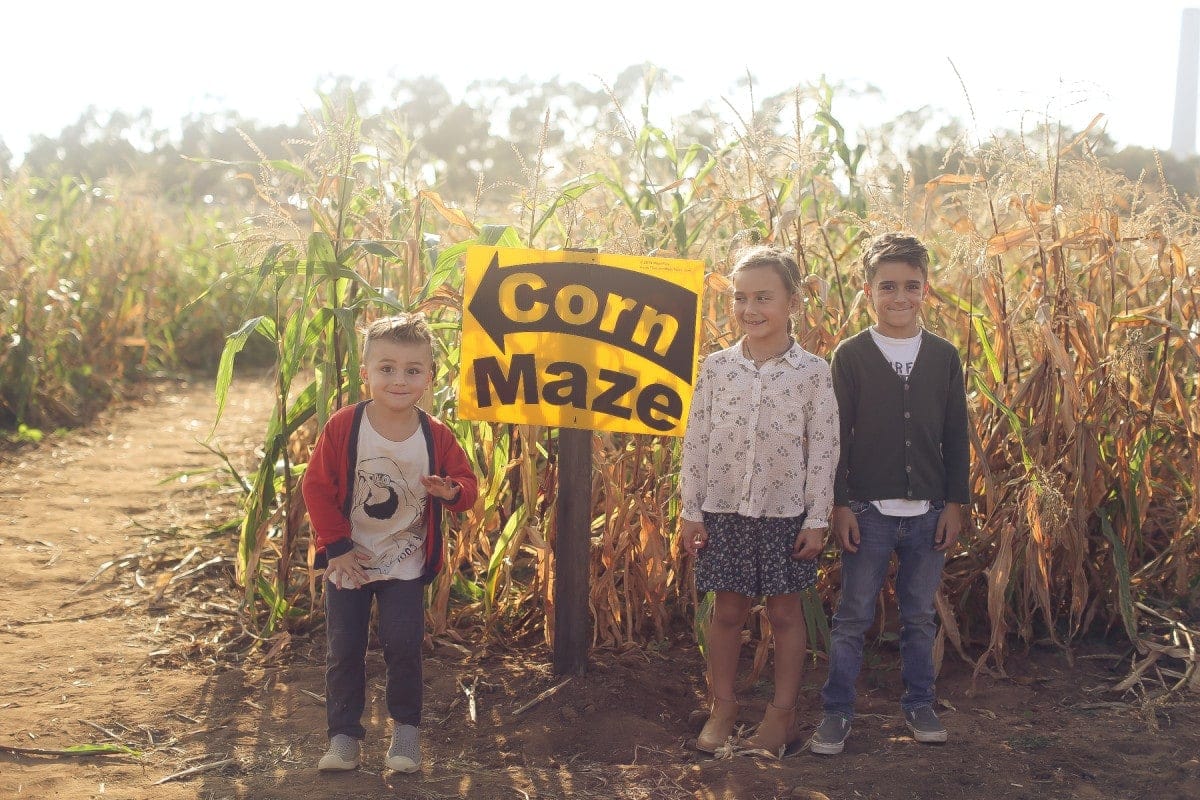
(917, 581)
(402, 631)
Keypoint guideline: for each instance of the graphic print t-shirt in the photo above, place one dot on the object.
(901, 354)
(387, 518)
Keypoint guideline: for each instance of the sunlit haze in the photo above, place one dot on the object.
(1020, 62)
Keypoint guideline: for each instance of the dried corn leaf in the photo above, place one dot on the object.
(1001, 243)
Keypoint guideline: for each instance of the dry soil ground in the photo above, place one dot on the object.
(117, 591)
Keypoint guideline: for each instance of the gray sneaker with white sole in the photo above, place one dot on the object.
(830, 736)
(342, 754)
(405, 752)
(925, 725)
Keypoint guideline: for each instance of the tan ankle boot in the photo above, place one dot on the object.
(719, 726)
(776, 731)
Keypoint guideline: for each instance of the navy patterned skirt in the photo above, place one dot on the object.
(752, 556)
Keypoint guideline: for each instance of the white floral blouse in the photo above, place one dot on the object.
(761, 442)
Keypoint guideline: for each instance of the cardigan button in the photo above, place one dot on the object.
(908, 469)
(907, 414)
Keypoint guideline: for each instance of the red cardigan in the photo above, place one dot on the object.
(329, 481)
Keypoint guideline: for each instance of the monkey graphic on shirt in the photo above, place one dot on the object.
(390, 514)
(380, 489)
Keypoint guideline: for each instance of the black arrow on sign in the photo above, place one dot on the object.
(611, 285)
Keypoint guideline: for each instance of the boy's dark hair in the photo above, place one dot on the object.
(779, 260)
(894, 247)
(401, 329)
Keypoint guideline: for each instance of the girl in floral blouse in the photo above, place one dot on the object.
(759, 457)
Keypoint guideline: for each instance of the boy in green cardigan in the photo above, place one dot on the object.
(900, 486)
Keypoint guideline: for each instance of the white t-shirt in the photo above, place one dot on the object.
(387, 517)
(901, 354)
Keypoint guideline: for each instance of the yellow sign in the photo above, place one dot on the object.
(580, 340)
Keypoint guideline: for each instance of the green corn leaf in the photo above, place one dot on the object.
(445, 268)
(989, 355)
(287, 166)
(1013, 420)
(338, 271)
(496, 562)
(319, 254)
(708, 167)
(469, 591)
(828, 119)
(347, 327)
(817, 623)
(703, 619)
(378, 249)
(570, 192)
(664, 141)
(234, 343)
(1121, 567)
(101, 749)
(691, 154)
(961, 303)
(499, 236)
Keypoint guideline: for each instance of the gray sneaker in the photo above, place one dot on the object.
(925, 726)
(830, 736)
(405, 753)
(342, 754)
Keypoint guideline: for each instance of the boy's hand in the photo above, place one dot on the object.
(439, 487)
(809, 544)
(845, 528)
(345, 571)
(949, 526)
(694, 535)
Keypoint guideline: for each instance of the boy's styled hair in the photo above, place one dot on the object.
(894, 247)
(772, 257)
(401, 329)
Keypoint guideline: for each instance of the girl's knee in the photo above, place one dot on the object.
(785, 612)
(730, 610)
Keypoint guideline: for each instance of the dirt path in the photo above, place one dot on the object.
(114, 566)
(76, 655)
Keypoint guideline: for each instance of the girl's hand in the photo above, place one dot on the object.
(809, 544)
(346, 572)
(694, 535)
(441, 488)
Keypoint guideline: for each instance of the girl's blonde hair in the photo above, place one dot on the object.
(781, 261)
(771, 257)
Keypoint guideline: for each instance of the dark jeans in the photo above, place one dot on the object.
(917, 580)
(401, 629)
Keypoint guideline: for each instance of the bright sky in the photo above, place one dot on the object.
(1021, 59)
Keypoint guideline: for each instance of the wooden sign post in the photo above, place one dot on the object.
(572, 548)
(583, 341)
(572, 552)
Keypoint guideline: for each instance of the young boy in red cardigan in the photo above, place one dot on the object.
(380, 474)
